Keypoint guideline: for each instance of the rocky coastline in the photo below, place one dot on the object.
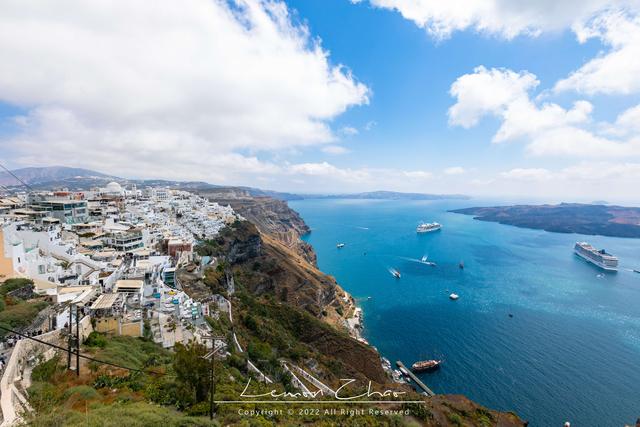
(279, 264)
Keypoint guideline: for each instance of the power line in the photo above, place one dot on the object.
(93, 359)
(14, 175)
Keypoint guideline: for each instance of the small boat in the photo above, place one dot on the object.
(454, 296)
(461, 265)
(510, 315)
(424, 260)
(395, 273)
(340, 245)
(426, 365)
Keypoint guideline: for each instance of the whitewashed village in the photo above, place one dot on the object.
(106, 260)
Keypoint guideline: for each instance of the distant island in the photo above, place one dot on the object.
(604, 220)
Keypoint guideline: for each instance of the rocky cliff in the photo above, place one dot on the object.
(272, 217)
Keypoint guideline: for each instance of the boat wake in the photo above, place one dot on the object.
(424, 260)
(395, 273)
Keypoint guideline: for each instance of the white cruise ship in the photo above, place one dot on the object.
(427, 227)
(597, 257)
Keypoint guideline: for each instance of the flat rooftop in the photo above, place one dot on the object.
(104, 301)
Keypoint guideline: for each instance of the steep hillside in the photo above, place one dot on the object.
(273, 217)
(265, 265)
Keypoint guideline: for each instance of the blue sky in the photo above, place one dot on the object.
(335, 95)
(410, 75)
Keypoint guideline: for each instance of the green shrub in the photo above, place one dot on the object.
(43, 395)
(45, 371)
(161, 391)
(131, 352)
(260, 351)
(81, 392)
(201, 408)
(19, 314)
(96, 339)
(13, 284)
(238, 362)
(250, 322)
(454, 418)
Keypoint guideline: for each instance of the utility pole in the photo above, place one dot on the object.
(77, 342)
(212, 384)
(69, 341)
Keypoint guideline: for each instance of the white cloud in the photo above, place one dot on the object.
(173, 88)
(523, 117)
(329, 177)
(528, 174)
(586, 181)
(612, 72)
(421, 175)
(506, 18)
(602, 179)
(487, 92)
(548, 129)
(574, 142)
(454, 170)
(600, 171)
(349, 131)
(370, 125)
(334, 149)
(628, 122)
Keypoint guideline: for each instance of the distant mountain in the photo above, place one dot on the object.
(41, 175)
(616, 221)
(53, 177)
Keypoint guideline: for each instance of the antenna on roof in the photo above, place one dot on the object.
(14, 175)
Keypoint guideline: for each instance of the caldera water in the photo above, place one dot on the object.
(536, 330)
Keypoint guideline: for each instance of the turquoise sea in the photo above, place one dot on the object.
(571, 351)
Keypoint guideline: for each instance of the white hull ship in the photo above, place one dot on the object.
(596, 257)
(428, 227)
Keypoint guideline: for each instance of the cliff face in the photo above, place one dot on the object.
(290, 294)
(271, 216)
(240, 243)
(265, 265)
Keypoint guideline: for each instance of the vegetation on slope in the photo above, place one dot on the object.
(16, 313)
